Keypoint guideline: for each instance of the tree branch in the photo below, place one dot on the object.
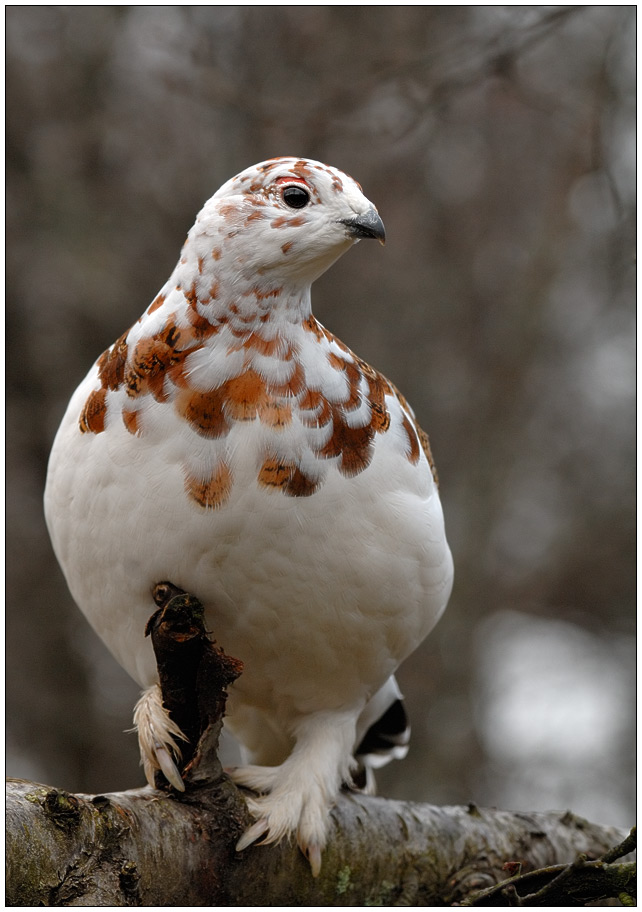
(148, 847)
(144, 848)
(575, 884)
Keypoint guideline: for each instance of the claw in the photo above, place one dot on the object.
(168, 767)
(252, 833)
(313, 854)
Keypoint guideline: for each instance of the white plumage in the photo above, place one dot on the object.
(229, 443)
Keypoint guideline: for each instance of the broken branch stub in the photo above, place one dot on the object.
(193, 672)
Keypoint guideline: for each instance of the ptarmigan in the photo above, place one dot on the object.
(228, 442)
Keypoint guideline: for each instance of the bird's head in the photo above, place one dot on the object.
(286, 219)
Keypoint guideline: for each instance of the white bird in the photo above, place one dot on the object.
(228, 442)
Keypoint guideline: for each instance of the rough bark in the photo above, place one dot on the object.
(154, 848)
(143, 847)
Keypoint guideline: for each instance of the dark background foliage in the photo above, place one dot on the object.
(498, 144)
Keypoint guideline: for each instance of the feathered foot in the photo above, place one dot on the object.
(296, 797)
(156, 738)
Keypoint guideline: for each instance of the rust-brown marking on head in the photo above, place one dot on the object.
(212, 492)
(303, 171)
(271, 163)
(228, 211)
(287, 221)
(285, 248)
(204, 411)
(216, 255)
(92, 417)
(256, 214)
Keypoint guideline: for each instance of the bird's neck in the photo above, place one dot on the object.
(218, 291)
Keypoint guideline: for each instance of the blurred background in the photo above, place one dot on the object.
(499, 146)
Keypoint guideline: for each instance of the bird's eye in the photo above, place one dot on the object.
(296, 197)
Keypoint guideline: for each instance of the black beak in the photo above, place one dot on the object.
(368, 225)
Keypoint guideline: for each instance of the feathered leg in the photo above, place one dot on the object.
(156, 738)
(303, 788)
